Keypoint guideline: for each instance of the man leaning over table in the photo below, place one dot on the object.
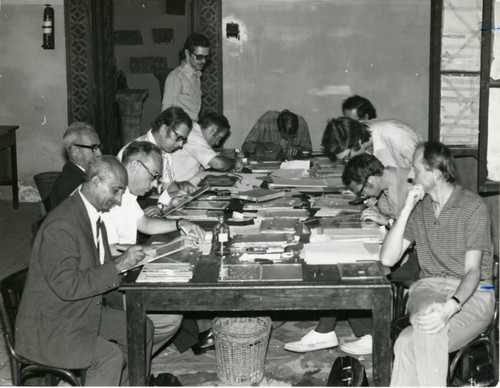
(453, 301)
(82, 145)
(198, 153)
(169, 132)
(285, 129)
(63, 320)
(143, 163)
(386, 189)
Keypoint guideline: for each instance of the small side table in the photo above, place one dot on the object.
(8, 140)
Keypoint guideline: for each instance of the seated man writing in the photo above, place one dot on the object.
(63, 320)
(386, 188)
(453, 301)
(198, 153)
(169, 132)
(284, 129)
(143, 163)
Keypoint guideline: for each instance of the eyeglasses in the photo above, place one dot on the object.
(153, 175)
(201, 57)
(360, 192)
(181, 138)
(93, 147)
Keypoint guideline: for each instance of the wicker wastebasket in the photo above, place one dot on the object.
(240, 348)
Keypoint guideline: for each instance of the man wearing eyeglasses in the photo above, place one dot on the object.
(285, 128)
(198, 154)
(169, 132)
(386, 189)
(183, 85)
(143, 163)
(82, 145)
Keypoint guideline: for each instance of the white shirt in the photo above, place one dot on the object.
(94, 216)
(121, 221)
(394, 142)
(168, 173)
(196, 153)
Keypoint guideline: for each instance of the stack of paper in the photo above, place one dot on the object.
(334, 252)
(166, 273)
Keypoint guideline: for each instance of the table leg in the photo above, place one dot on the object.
(382, 349)
(136, 337)
(13, 165)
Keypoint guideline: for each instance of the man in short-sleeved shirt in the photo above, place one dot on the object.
(284, 128)
(183, 86)
(453, 302)
(143, 163)
(198, 153)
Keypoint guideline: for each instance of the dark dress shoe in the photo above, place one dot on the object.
(164, 380)
(206, 341)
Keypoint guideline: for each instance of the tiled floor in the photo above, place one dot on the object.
(282, 368)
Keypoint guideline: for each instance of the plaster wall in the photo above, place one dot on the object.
(308, 56)
(32, 87)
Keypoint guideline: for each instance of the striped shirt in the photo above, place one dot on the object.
(463, 225)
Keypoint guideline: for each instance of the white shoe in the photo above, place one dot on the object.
(359, 347)
(313, 341)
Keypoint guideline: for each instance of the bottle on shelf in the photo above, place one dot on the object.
(220, 238)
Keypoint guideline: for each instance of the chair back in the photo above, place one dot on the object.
(11, 290)
(44, 182)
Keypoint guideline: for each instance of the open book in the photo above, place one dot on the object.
(157, 251)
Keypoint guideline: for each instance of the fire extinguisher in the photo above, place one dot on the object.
(48, 28)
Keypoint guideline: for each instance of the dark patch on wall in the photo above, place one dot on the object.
(163, 35)
(127, 38)
(147, 64)
(175, 7)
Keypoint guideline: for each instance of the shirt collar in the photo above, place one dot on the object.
(189, 71)
(91, 210)
(453, 200)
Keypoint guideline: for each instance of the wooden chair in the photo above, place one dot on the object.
(488, 338)
(22, 369)
(44, 182)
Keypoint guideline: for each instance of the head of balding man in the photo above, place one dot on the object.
(105, 182)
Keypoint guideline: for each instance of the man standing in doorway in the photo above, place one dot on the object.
(183, 86)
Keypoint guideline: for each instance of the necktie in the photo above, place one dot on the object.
(99, 246)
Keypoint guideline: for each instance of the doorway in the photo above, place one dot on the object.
(92, 64)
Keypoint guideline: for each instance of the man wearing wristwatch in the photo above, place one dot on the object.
(453, 302)
(143, 162)
(386, 188)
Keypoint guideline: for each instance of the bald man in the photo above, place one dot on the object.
(63, 320)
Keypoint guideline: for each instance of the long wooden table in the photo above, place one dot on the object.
(321, 289)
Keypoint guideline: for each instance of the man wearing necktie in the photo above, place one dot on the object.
(183, 86)
(63, 320)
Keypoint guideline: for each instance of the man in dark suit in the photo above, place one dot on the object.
(63, 319)
(82, 145)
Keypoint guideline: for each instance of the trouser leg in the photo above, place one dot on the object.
(165, 327)
(361, 325)
(427, 354)
(187, 336)
(107, 365)
(404, 373)
(326, 324)
(114, 328)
